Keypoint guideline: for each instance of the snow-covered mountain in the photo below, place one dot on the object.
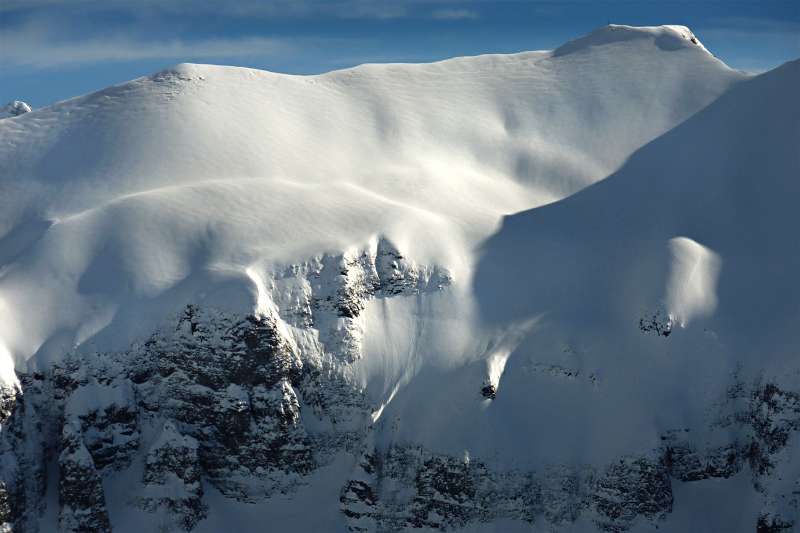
(543, 291)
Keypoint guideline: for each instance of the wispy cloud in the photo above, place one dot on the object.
(754, 30)
(455, 14)
(53, 33)
(752, 44)
(36, 47)
(346, 9)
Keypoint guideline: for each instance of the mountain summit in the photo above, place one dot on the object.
(668, 38)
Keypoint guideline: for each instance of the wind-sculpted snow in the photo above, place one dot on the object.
(664, 37)
(120, 206)
(233, 297)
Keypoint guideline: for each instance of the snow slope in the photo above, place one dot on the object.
(698, 228)
(116, 200)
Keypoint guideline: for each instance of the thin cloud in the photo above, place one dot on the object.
(34, 48)
(752, 45)
(345, 9)
(755, 30)
(455, 14)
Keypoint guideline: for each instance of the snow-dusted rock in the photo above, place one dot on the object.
(14, 109)
(173, 477)
(80, 489)
(254, 441)
(108, 419)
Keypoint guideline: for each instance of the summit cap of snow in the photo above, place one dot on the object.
(669, 37)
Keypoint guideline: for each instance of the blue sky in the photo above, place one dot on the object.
(55, 49)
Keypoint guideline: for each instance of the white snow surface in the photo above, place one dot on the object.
(691, 290)
(118, 207)
(698, 225)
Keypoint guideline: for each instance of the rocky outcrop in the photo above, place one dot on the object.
(407, 488)
(107, 416)
(173, 478)
(659, 323)
(772, 524)
(685, 462)
(23, 461)
(210, 398)
(344, 283)
(330, 292)
(233, 391)
(359, 497)
(80, 489)
(632, 488)
(489, 391)
(14, 109)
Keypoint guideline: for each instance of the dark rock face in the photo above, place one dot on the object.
(173, 478)
(629, 489)
(107, 416)
(450, 493)
(359, 500)
(14, 109)
(774, 415)
(489, 391)
(771, 524)
(658, 323)
(685, 463)
(212, 399)
(11, 501)
(80, 489)
(234, 393)
(23, 462)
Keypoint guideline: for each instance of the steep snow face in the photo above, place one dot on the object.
(120, 206)
(661, 280)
